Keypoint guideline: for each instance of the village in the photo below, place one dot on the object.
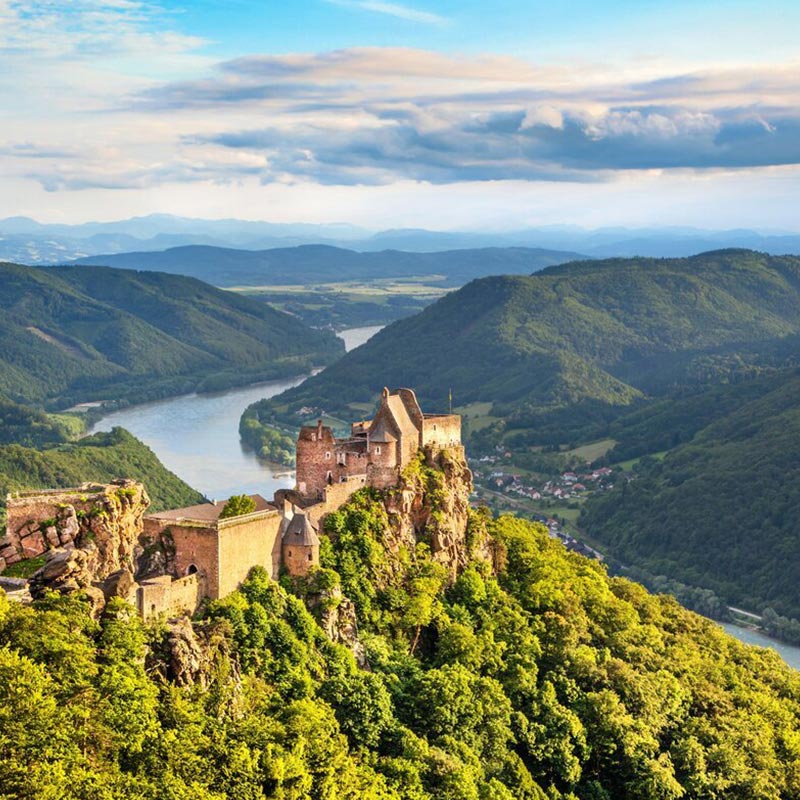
(553, 500)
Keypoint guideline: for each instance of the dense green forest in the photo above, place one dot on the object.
(722, 509)
(311, 264)
(266, 440)
(549, 680)
(559, 354)
(89, 333)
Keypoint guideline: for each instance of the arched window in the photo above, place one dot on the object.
(191, 570)
(328, 455)
(378, 450)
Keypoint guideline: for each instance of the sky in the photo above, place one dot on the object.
(463, 115)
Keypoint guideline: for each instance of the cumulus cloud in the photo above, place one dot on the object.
(375, 116)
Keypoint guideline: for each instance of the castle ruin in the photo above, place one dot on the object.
(186, 555)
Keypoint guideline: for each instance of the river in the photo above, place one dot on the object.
(197, 435)
(789, 653)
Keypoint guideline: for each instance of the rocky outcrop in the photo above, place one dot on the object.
(336, 615)
(193, 654)
(89, 537)
(108, 517)
(431, 504)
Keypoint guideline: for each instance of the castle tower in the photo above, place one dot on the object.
(316, 459)
(300, 546)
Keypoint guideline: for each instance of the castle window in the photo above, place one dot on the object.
(288, 553)
(328, 454)
(191, 569)
(378, 450)
(310, 557)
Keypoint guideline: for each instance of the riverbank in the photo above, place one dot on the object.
(196, 436)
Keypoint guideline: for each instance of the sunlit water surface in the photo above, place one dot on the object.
(197, 435)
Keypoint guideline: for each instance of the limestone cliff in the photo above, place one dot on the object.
(431, 504)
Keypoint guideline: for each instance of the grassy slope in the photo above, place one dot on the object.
(87, 332)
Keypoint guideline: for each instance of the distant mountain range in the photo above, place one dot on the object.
(90, 333)
(24, 240)
(310, 264)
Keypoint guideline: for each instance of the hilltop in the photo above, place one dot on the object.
(89, 333)
(309, 264)
(553, 355)
(27, 241)
(40, 451)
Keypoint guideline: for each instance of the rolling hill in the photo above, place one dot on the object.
(574, 345)
(721, 510)
(310, 264)
(88, 333)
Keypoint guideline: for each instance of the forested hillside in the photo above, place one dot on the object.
(309, 264)
(88, 333)
(561, 352)
(546, 681)
(722, 509)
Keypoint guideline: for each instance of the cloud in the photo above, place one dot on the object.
(374, 116)
(75, 29)
(397, 10)
(509, 146)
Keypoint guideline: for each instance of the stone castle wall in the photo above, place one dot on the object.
(165, 595)
(441, 430)
(246, 542)
(382, 477)
(223, 552)
(196, 548)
